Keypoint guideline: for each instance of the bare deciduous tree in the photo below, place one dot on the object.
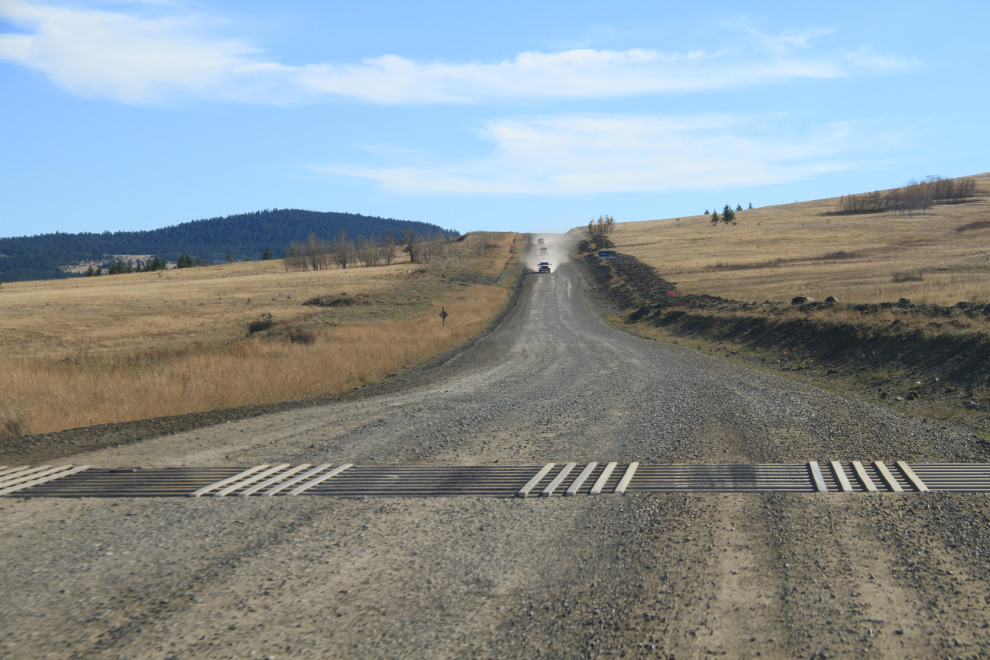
(386, 248)
(343, 250)
(295, 258)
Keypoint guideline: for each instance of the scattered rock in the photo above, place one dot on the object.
(971, 404)
(832, 299)
(801, 300)
(912, 395)
(898, 398)
(884, 395)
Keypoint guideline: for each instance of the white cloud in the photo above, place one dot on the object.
(129, 58)
(147, 56)
(575, 154)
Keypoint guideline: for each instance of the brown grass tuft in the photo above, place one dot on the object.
(259, 326)
(979, 224)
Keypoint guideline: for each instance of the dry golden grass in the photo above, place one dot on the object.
(40, 396)
(148, 346)
(740, 261)
(168, 309)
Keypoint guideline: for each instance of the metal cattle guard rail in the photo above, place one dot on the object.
(552, 479)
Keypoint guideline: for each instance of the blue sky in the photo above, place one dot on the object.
(527, 116)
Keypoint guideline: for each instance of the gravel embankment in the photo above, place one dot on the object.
(611, 576)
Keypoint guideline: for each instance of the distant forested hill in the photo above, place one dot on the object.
(245, 235)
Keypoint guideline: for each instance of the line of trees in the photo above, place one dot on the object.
(341, 252)
(367, 251)
(602, 226)
(915, 196)
(315, 253)
(951, 191)
(120, 266)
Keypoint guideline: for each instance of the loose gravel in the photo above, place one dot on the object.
(653, 575)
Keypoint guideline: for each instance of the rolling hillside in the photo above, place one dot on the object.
(937, 254)
(244, 235)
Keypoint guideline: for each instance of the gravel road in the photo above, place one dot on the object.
(654, 575)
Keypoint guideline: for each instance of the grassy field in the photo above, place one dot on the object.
(133, 346)
(778, 252)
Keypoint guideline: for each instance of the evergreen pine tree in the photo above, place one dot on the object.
(728, 215)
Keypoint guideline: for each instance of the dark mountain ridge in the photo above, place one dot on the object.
(244, 235)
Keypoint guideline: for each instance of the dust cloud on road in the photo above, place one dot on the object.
(554, 248)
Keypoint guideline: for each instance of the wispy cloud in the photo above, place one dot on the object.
(575, 154)
(148, 55)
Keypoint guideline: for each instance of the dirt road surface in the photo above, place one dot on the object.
(652, 575)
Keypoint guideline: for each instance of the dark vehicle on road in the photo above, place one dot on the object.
(545, 266)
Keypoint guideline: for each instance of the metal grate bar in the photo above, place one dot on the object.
(58, 474)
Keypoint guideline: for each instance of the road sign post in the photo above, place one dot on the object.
(443, 317)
